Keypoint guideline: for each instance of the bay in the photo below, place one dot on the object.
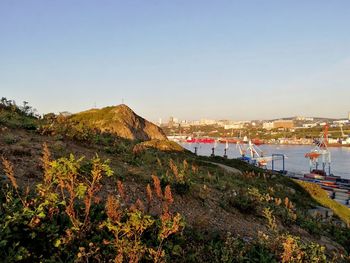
(295, 162)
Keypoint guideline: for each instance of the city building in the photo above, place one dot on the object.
(341, 122)
(309, 125)
(301, 118)
(185, 123)
(222, 123)
(172, 122)
(286, 124)
(207, 122)
(268, 125)
(234, 126)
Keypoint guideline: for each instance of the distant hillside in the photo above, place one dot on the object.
(323, 119)
(122, 121)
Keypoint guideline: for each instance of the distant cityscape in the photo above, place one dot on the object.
(292, 130)
(288, 123)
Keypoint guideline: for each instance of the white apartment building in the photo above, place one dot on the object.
(268, 125)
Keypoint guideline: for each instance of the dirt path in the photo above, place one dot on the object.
(227, 168)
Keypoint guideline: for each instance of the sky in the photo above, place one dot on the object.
(190, 59)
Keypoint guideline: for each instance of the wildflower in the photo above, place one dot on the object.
(174, 169)
(194, 169)
(113, 208)
(170, 225)
(149, 193)
(168, 196)
(278, 201)
(139, 204)
(8, 168)
(46, 159)
(120, 187)
(185, 164)
(157, 187)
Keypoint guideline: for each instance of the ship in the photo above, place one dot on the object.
(229, 140)
(200, 140)
(255, 141)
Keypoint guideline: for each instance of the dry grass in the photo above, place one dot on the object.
(8, 168)
(321, 196)
(157, 187)
(167, 195)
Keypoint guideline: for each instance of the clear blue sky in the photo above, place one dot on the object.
(191, 59)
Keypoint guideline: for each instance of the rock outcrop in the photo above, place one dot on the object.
(122, 121)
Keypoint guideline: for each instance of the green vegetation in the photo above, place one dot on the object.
(121, 121)
(17, 117)
(64, 220)
(10, 139)
(151, 202)
(162, 145)
(73, 224)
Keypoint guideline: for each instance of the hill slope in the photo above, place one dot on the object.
(121, 121)
(251, 216)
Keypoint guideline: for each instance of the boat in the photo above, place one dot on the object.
(200, 140)
(257, 141)
(231, 140)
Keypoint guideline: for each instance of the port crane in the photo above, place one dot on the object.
(342, 132)
(345, 137)
(253, 154)
(320, 152)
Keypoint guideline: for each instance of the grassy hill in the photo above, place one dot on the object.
(73, 193)
(121, 121)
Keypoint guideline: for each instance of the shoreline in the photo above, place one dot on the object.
(287, 144)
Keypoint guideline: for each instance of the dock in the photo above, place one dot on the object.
(337, 188)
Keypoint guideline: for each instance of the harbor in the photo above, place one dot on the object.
(333, 177)
(295, 162)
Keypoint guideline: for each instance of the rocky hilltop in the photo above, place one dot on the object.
(122, 121)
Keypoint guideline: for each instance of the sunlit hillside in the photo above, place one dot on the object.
(74, 191)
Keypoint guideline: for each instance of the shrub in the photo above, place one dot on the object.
(244, 202)
(293, 250)
(10, 139)
(15, 116)
(313, 226)
(285, 211)
(64, 219)
(178, 175)
(271, 220)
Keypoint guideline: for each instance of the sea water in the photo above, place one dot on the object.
(295, 161)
